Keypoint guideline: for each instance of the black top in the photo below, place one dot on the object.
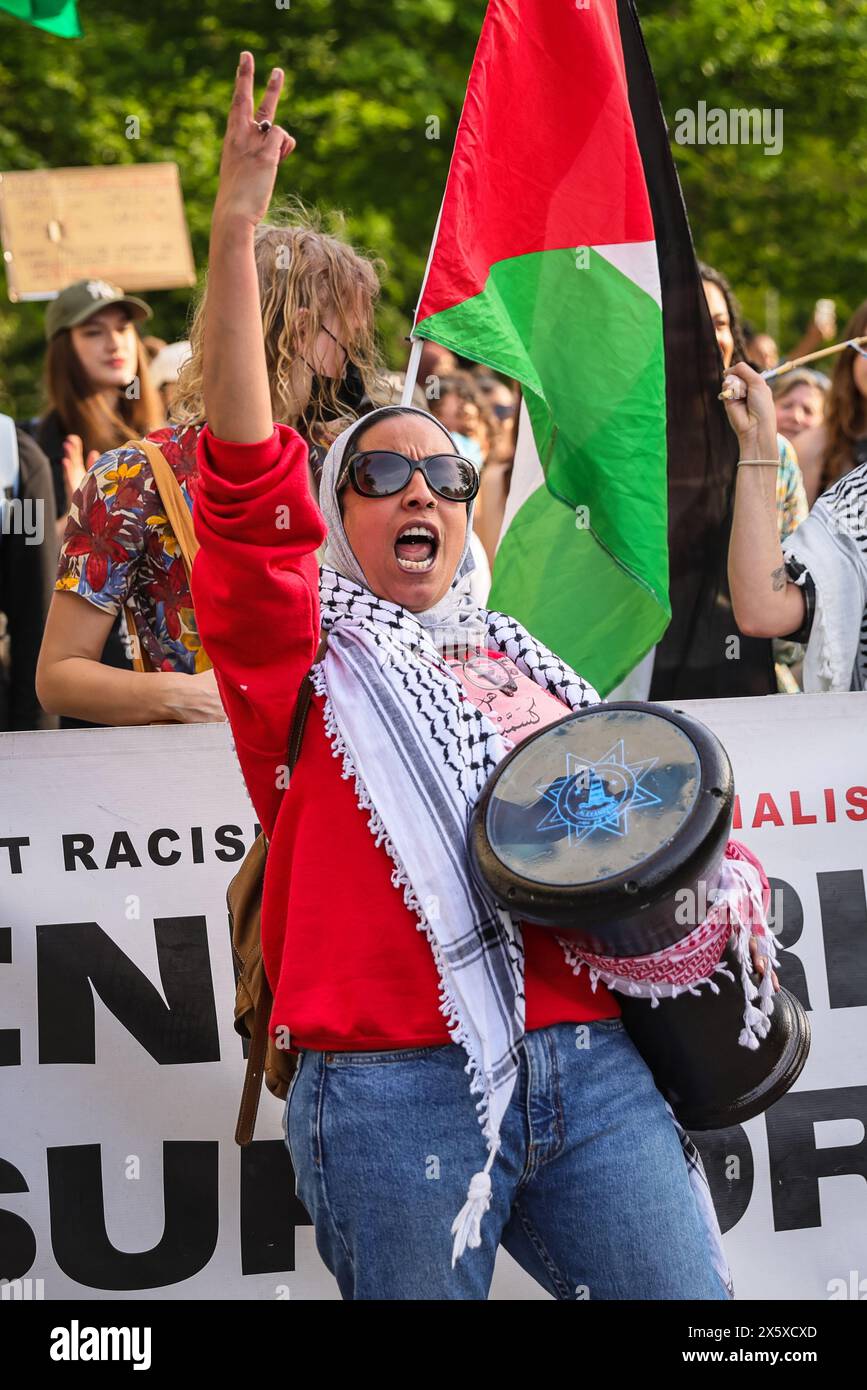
(49, 433)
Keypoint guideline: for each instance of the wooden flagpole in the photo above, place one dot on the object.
(856, 343)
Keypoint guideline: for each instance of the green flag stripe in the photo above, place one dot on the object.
(571, 594)
(58, 17)
(585, 340)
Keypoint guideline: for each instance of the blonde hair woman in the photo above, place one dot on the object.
(317, 297)
(317, 300)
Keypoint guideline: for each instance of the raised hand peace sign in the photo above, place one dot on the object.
(253, 148)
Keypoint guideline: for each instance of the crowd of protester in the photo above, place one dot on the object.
(121, 605)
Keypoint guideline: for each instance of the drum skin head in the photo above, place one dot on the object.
(593, 825)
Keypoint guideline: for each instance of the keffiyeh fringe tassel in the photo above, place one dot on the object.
(466, 1227)
(738, 912)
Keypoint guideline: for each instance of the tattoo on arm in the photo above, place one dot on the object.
(779, 579)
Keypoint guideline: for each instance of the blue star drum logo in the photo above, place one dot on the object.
(597, 795)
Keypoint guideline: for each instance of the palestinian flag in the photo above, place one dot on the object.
(56, 16)
(544, 267)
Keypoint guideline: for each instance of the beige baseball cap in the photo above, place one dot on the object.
(85, 298)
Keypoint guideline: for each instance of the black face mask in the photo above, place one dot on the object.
(350, 392)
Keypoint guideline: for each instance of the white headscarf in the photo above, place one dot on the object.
(456, 603)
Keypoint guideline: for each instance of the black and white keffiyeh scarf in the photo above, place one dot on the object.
(830, 547)
(419, 754)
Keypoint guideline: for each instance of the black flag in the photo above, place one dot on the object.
(696, 658)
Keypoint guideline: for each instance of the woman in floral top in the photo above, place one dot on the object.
(119, 550)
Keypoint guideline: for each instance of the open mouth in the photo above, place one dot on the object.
(416, 549)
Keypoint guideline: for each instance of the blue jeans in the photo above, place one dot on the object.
(591, 1194)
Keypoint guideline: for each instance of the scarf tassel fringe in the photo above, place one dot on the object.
(399, 877)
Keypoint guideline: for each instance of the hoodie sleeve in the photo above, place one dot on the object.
(255, 587)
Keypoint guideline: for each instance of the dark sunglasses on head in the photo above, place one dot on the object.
(381, 473)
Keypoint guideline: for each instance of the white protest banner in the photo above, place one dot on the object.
(120, 1071)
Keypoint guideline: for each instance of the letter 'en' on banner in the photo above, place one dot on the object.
(120, 1065)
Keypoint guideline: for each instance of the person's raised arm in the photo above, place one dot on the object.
(235, 378)
(765, 602)
(255, 577)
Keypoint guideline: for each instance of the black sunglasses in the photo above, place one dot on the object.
(381, 473)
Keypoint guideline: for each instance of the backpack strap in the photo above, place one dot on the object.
(255, 1070)
(178, 516)
(302, 705)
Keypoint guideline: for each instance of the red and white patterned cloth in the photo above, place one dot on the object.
(738, 910)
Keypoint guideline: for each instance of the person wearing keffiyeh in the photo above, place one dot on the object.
(460, 1085)
(813, 587)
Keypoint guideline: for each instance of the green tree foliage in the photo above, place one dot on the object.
(367, 82)
(364, 77)
(796, 222)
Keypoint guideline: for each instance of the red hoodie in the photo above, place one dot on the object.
(348, 966)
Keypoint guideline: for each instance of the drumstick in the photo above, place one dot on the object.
(728, 393)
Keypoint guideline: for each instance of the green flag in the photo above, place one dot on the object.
(56, 16)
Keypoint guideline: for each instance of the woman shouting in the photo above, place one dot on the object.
(458, 1086)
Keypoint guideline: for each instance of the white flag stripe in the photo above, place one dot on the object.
(527, 473)
(636, 260)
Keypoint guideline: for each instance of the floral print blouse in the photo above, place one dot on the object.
(118, 548)
(792, 507)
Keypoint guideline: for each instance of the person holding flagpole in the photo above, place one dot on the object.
(812, 588)
(458, 1086)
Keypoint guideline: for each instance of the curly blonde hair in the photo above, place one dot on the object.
(300, 266)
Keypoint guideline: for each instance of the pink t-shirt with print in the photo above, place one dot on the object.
(513, 702)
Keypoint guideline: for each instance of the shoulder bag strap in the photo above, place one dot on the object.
(301, 708)
(173, 500)
(255, 1069)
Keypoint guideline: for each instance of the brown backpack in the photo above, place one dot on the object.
(253, 996)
